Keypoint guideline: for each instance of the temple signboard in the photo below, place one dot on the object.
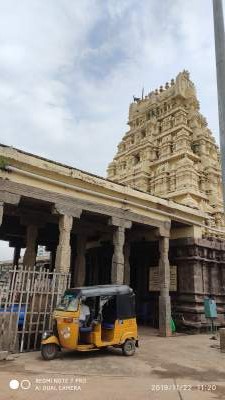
(154, 279)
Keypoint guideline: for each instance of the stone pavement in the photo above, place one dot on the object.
(163, 368)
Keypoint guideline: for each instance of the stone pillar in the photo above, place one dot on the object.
(117, 272)
(63, 253)
(31, 247)
(164, 298)
(16, 255)
(127, 263)
(52, 258)
(80, 261)
(1, 212)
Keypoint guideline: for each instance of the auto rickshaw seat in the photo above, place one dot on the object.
(107, 325)
(85, 329)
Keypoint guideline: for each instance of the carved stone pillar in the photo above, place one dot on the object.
(31, 247)
(80, 261)
(127, 263)
(16, 255)
(117, 272)
(215, 279)
(63, 253)
(1, 212)
(164, 298)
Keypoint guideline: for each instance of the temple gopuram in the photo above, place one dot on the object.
(170, 152)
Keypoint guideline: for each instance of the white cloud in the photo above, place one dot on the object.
(68, 70)
(6, 252)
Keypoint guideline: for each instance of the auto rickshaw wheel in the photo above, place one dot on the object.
(49, 351)
(128, 347)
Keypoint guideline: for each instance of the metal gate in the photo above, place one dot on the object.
(26, 306)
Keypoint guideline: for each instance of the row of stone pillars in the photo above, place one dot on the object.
(120, 272)
(120, 262)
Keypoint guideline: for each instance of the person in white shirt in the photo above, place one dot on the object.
(84, 314)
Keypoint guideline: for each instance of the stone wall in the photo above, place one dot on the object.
(4, 279)
(8, 341)
(201, 272)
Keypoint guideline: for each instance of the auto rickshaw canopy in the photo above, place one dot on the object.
(120, 303)
(100, 290)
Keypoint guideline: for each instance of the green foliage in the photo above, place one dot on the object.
(3, 163)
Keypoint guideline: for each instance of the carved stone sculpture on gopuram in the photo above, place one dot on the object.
(170, 152)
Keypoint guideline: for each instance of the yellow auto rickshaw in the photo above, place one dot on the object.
(92, 317)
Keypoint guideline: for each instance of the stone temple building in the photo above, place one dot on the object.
(170, 152)
(156, 223)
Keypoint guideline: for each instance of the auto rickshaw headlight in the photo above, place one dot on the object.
(46, 335)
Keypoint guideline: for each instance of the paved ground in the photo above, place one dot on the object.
(163, 368)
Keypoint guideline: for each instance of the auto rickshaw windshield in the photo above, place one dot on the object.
(69, 302)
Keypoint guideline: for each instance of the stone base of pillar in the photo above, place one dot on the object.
(164, 316)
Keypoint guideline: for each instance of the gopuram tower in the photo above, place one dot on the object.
(170, 152)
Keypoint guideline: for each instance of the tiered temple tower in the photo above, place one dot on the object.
(170, 152)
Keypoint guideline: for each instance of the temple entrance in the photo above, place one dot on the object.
(144, 255)
(144, 262)
(99, 264)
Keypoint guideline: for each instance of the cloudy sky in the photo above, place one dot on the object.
(69, 69)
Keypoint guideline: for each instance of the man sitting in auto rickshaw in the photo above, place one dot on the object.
(84, 314)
